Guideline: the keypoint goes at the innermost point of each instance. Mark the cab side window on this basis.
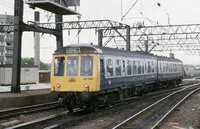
(59, 64)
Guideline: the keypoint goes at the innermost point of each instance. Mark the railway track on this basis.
(63, 120)
(47, 122)
(152, 116)
(4, 114)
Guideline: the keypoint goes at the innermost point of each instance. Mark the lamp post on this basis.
(79, 18)
(166, 12)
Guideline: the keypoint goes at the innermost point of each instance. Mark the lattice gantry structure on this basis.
(100, 25)
(159, 38)
(165, 38)
(50, 28)
(90, 24)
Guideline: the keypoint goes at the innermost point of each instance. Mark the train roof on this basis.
(88, 48)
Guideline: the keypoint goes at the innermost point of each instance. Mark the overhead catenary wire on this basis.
(129, 9)
(11, 5)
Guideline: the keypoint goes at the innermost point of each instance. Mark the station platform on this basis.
(37, 93)
(24, 87)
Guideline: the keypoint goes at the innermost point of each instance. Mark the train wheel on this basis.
(110, 101)
(70, 109)
(94, 106)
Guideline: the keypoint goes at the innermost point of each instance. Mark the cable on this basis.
(130, 9)
(12, 6)
(26, 9)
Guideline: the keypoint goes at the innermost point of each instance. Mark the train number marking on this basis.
(88, 78)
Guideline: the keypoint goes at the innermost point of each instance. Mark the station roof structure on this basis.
(55, 6)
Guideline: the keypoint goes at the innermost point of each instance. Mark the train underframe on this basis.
(92, 101)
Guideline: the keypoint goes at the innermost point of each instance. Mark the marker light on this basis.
(58, 85)
(86, 85)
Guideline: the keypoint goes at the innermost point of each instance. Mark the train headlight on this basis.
(86, 85)
(58, 85)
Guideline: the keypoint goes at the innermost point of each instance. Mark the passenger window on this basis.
(155, 64)
(139, 67)
(118, 67)
(134, 67)
(174, 67)
(109, 67)
(129, 69)
(72, 66)
(152, 67)
(142, 62)
(59, 64)
(86, 65)
(160, 67)
(149, 67)
(163, 67)
(166, 67)
(171, 69)
(145, 67)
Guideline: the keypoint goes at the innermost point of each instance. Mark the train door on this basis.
(157, 68)
(123, 71)
(102, 70)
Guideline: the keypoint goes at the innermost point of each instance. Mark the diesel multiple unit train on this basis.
(90, 76)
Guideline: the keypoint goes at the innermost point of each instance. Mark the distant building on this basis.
(192, 70)
(197, 67)
(6, 41)
(189, 67)
(44, 76)
(29, 75)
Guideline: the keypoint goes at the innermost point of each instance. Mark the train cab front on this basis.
(76, 78)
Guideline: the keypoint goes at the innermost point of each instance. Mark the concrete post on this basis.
(37, 42)
(100, 37)
(128, 38)
(59, 37)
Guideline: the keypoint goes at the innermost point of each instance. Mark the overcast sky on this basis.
(179, 11)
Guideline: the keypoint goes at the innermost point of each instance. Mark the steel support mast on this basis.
(59, 30)
(16, 67)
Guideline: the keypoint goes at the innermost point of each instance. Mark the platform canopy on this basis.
(60, 7)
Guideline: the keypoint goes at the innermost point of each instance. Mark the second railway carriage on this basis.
(89, 75)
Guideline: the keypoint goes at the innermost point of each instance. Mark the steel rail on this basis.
(57, 124)
(172, 109)
(27, 109)
(136, 98)
(152, 105)
(23, 125)
(28, 124)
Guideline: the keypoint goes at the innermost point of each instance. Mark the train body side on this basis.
(155, 73)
